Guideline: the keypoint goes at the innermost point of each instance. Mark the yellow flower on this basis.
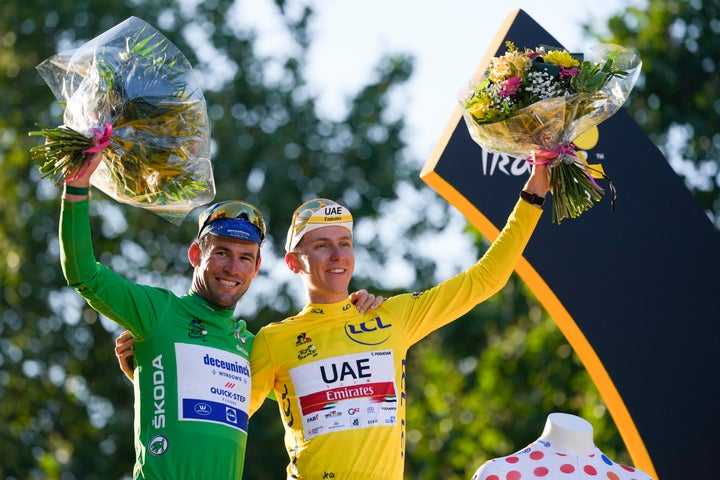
(479, 107)
(560, 57)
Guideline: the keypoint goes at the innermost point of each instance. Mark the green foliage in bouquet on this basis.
(573, 189)
(593, 76)
(133, 100)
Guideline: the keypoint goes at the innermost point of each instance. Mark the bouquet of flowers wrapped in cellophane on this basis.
(533, 103)
(131, 94)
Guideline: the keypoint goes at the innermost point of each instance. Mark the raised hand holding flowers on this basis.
(533, 103)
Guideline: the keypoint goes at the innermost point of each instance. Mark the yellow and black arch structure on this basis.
(636, 292)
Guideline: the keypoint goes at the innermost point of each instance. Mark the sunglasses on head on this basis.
(232, 209)
(305, 211)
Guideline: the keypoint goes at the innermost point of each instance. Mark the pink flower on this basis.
(568, 72)
(510, 86)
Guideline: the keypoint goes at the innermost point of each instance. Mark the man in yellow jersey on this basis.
(339, 375)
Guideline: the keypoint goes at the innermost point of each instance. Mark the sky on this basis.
(447, 38)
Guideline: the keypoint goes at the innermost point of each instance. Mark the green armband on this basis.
(76, 190)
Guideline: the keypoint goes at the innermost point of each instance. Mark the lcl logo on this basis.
(369, 332)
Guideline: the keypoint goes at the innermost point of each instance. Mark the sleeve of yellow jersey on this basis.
(455, 296)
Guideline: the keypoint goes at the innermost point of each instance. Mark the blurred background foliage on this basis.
(479, 388)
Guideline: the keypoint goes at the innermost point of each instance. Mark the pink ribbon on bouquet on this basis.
(101, 139)
(547, 156)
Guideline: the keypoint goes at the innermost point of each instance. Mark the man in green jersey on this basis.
(193, 377)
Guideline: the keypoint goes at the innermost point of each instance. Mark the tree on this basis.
(676, 100)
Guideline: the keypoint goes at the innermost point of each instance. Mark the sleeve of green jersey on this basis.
(135, 307)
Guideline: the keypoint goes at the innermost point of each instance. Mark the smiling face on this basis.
(325, 260)
(224, 268)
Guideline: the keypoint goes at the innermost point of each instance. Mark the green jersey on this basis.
(192, 376)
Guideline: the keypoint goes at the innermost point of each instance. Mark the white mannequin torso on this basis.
(569, 432)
